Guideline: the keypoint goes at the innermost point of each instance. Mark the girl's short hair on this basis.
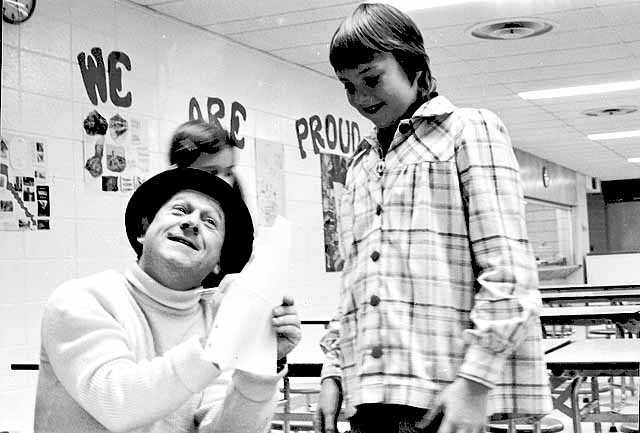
(375, 28)
(195, 137)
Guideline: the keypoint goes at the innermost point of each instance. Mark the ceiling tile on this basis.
(289, 36)
(206, 12)
(298, 17)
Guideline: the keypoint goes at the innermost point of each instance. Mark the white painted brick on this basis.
(57, 9)
(302, 188)
(12, 280)
(59, 242)
(61, 163)
(46, 116)
(10, 66)
(43, 276)
(10, 35)
(36, 66)
(19, 408)
(46, 35)
(14, 241)
(11, 109)
(101, 238)
(96, 14)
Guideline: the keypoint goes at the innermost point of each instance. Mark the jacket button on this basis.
(375, 300)
(378, 209)
(375, 256)
(376, 352)
(404, 127)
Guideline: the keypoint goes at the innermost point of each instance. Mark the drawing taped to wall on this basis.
(333, 169)
(23, 168)
(116, 151)
(269, 181)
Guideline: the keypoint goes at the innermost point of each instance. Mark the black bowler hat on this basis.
(157, 190)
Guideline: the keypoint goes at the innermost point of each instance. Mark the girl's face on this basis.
(380, 90)
(220, 164)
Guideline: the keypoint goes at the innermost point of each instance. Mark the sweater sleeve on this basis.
(89, 351)
(247, 406)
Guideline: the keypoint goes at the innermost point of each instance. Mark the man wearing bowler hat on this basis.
(124, 351)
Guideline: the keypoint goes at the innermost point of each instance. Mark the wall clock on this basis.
(17, 11)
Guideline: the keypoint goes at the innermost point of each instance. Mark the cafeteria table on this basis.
(588, 287)
(625, 317)
(592, 358)
(580, 296)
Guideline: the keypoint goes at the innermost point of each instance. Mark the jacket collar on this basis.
(430, 110)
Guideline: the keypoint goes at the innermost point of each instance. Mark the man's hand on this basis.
(287, 326)
(325, 419)
(464, 404)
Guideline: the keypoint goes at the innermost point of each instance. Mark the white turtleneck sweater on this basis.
(123, 353)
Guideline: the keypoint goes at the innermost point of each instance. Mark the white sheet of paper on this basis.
(242, 336)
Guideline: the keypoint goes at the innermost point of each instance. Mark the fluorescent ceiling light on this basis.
(410, 5)
(581, 90)
(614, 135)
(635, 160)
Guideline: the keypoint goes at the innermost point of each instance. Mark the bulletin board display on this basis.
(25, 201)
(116, 151)
(270, 186)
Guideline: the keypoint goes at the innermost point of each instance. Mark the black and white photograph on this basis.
(329, 216)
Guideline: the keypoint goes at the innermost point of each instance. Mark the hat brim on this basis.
(152, 194)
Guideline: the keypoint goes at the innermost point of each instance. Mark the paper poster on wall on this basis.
(116, 151)
(269, 181)
(333, 169)
(24, 195)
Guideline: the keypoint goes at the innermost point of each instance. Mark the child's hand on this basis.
(464, 404)
(287, 326)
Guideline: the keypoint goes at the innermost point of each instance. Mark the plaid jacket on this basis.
(439, 278)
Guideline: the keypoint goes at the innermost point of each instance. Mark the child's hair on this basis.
(375, 28)
(195, 137)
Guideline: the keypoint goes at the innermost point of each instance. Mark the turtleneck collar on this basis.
(151, 292)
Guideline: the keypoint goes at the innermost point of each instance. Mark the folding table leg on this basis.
(575, 403)
(595, 395)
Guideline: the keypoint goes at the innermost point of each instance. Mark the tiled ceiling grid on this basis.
(592, 42)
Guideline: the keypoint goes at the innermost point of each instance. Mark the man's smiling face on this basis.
(185, 236)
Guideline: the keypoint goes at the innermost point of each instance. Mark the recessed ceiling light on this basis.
(614, 135)
(635, 160)
(410, 5)
(511, 29)
(581, 90)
